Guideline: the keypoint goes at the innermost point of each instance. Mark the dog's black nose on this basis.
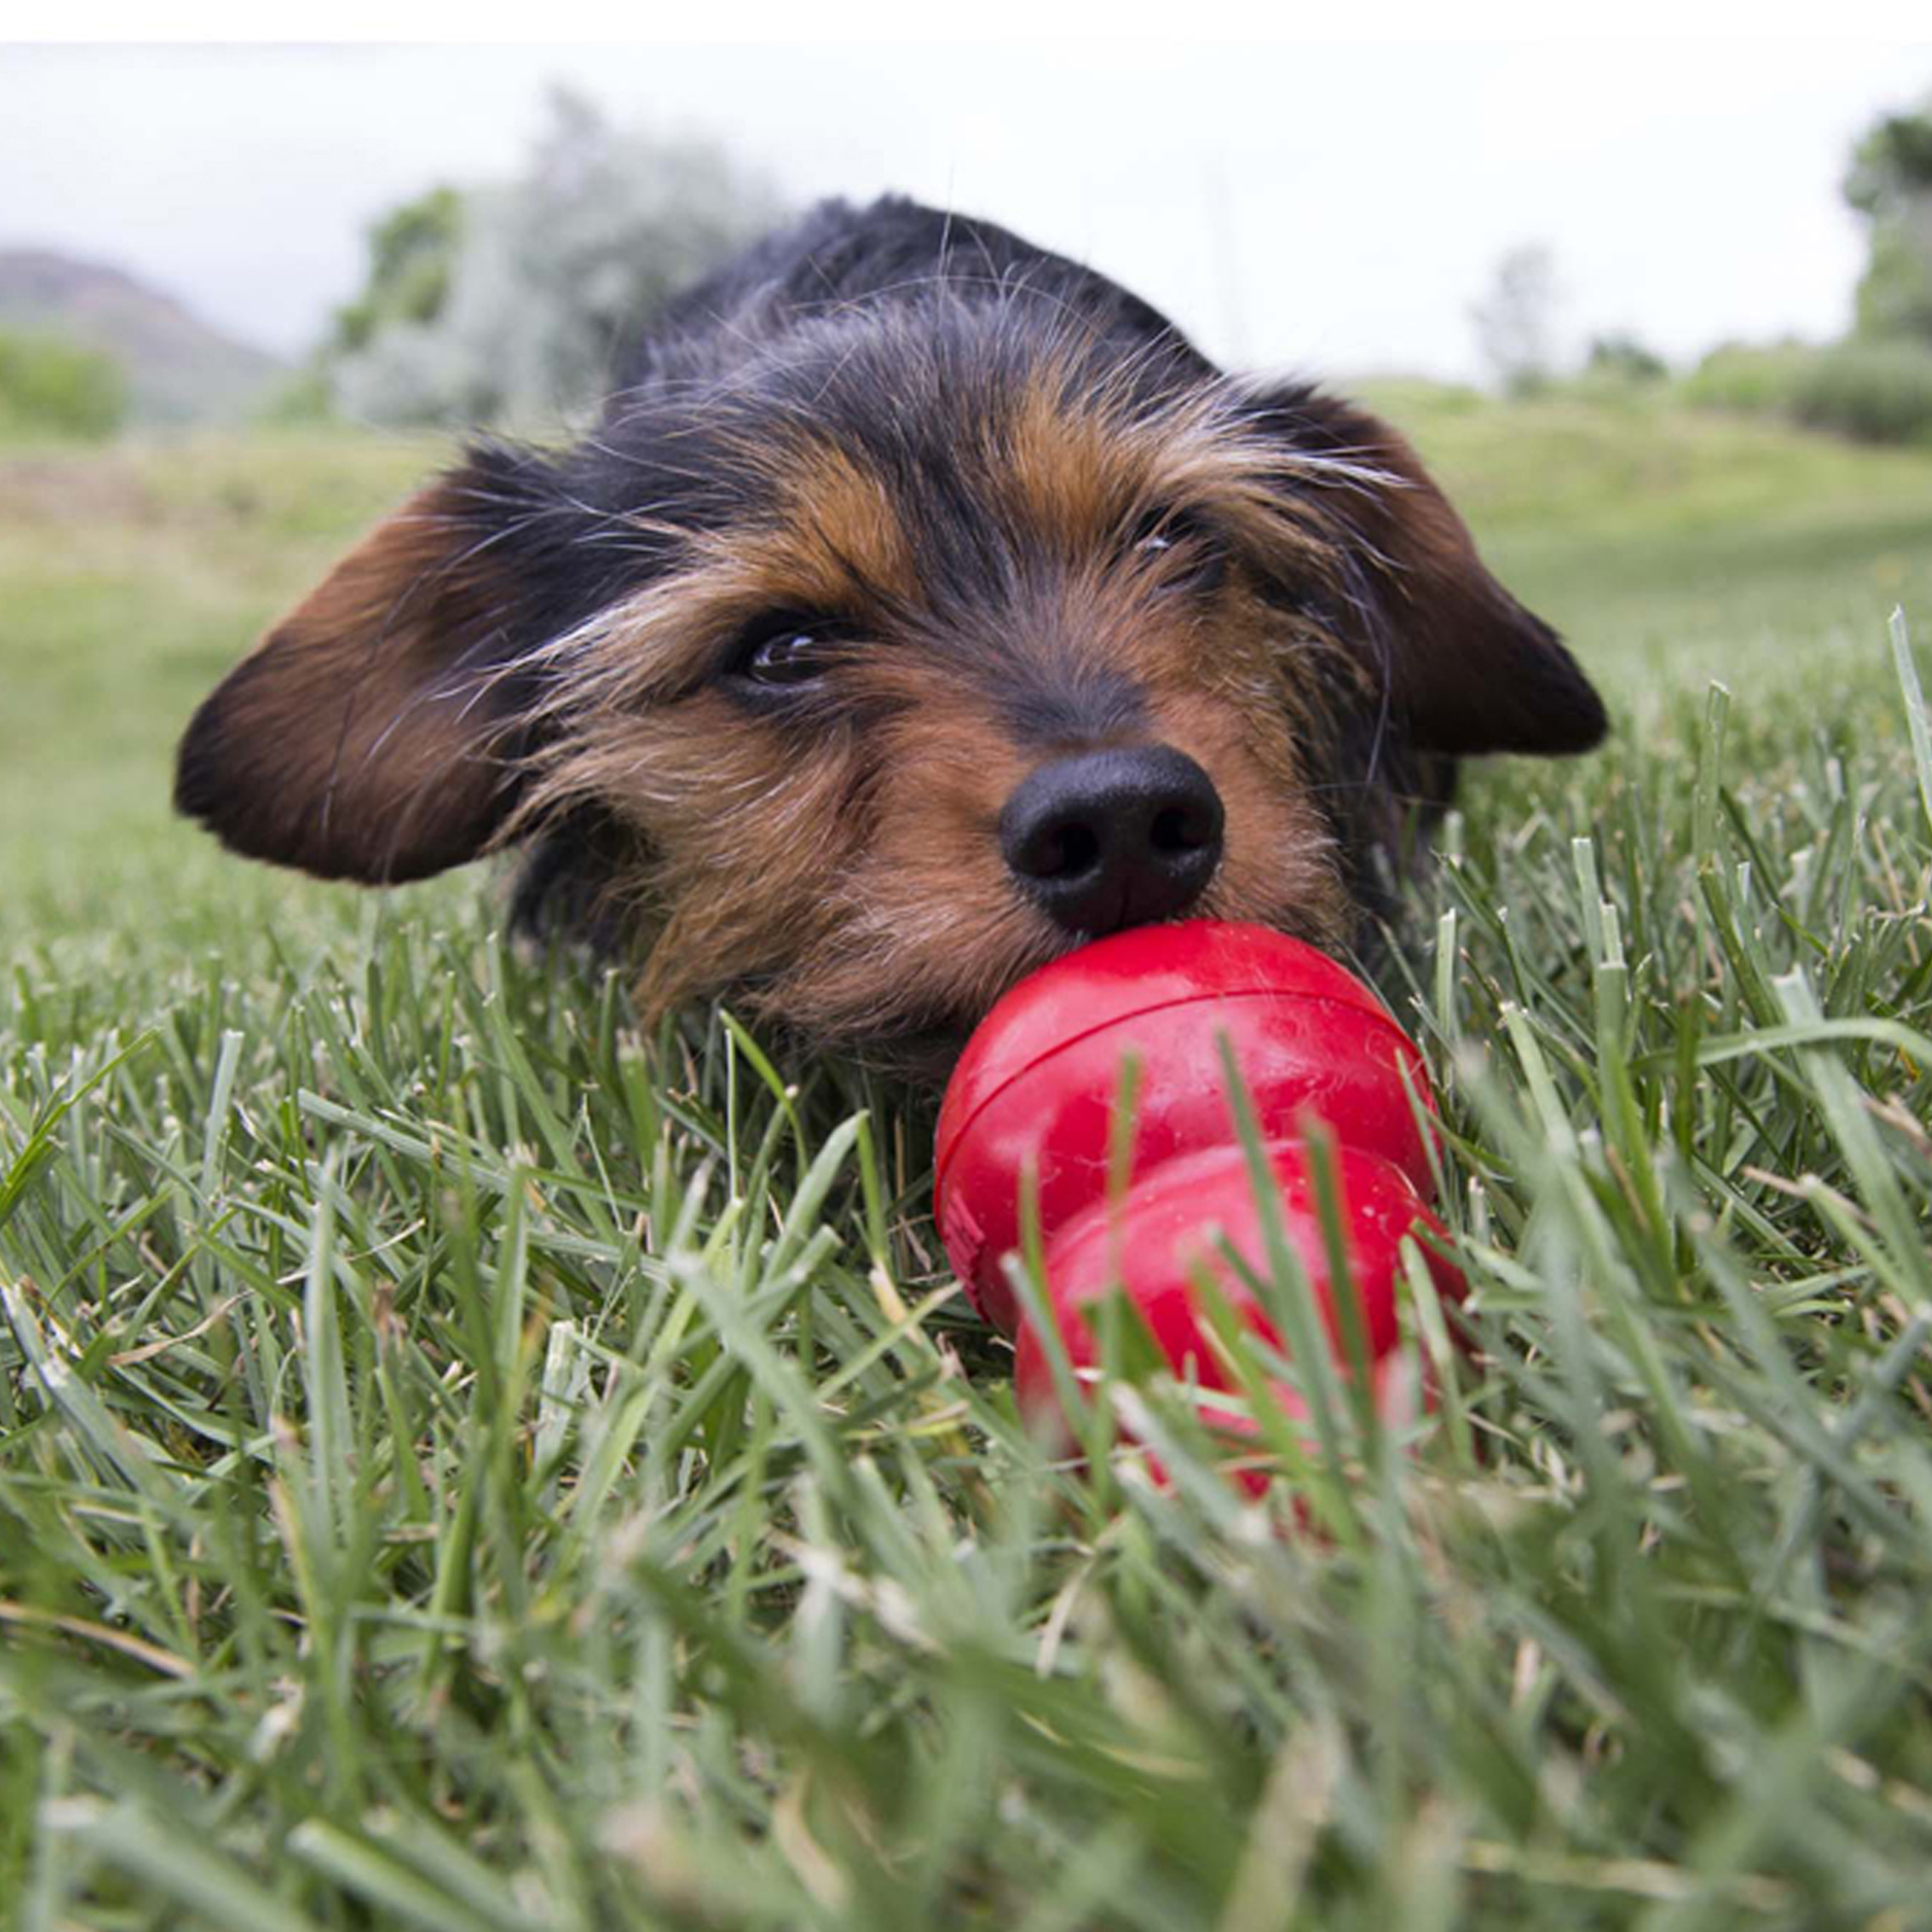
(1114, 838)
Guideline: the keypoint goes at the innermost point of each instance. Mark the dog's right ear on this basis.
(371, 735)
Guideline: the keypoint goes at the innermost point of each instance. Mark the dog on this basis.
(922, 604)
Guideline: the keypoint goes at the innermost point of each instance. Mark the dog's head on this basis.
(918, 644)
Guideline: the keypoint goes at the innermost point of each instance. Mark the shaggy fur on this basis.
(891, 513)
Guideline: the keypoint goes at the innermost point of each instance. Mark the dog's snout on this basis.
(1114, 838)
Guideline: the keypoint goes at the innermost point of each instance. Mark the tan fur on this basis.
(858, 888)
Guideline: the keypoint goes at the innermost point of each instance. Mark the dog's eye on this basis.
(1188, 550)
(784, 650)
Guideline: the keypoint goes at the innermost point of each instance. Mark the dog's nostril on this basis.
(1183, 828)
(1065, 852)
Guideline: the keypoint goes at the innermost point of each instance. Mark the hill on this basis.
(178, 368)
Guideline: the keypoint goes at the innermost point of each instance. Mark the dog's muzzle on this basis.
(1114, 838)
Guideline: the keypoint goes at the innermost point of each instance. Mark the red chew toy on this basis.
(1037, 1090)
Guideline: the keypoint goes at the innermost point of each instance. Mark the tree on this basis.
(1890, 184)
(412, 252)
(1516, 322)
(1623, 355)
(511, 303)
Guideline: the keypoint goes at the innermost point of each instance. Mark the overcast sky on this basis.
(1330, 208)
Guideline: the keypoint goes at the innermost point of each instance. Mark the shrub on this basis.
(1621, 354)
(1876, 391)
(49, 387)
(1755, 379)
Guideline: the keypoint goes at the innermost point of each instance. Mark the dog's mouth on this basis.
(918, 1045)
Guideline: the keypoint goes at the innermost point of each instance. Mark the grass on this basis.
(132, 578)
(461, 1465)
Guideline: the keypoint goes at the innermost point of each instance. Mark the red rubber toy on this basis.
(1037, 1090)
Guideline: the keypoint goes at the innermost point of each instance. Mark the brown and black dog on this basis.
(922, 604)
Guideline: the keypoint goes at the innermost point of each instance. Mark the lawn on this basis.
(462, 1464)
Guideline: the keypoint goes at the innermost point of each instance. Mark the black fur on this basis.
(897, 332)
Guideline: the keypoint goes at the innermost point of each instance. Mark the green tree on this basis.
(412, 252)
(511, 303)
(1890, 184)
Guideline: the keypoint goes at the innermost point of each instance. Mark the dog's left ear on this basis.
(1469, 669)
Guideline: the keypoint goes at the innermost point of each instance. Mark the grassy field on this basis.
(462, 1466)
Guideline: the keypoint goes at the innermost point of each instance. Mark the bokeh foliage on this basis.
(54, 389)
(513, 302)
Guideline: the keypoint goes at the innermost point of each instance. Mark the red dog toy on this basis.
(1036, 1090)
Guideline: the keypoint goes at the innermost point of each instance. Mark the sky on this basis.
(1330, 209)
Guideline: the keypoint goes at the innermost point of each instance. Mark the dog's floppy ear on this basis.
(367, 736)
(1469, 669)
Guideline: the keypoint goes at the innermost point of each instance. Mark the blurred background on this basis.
(1661, 320)
(1491, 214)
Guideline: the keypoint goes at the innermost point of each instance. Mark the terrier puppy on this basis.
(922, 605)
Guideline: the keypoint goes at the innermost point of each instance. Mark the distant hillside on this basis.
(178, 368)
